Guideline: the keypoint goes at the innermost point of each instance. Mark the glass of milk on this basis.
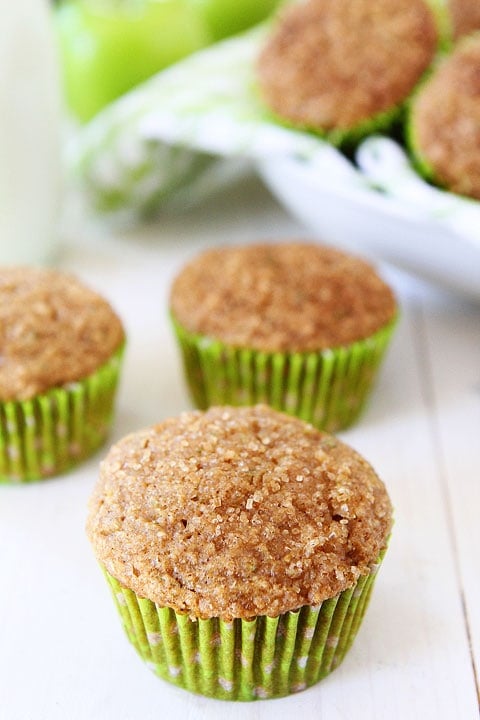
(30, 136)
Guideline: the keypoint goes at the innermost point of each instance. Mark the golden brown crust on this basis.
(465, 16)
(237, 512)
(332, 64)
(282, 296)
(446, 120)
(53, 330)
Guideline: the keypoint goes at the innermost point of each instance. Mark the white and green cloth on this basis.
(175, 138)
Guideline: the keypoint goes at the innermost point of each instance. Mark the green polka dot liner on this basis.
(55, 430)
(266, 657)
(328, 389)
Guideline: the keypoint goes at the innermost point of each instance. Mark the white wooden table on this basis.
(63, 655)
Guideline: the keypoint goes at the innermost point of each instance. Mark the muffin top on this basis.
(53, 330)
(445, 120)
(237, 512)
(284, 296)
(332, 64)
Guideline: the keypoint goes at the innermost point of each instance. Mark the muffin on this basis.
(444, 122)
(241, 546)
(61, 346)
(299, 326)
(465, 16)
(344, 69)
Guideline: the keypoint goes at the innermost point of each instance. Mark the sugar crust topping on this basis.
(281, 296)
(53, 330)
(331, 64)
(237, 512)
(446, 120)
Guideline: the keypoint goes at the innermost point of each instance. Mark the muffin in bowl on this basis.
(444, 121)
(344, 69)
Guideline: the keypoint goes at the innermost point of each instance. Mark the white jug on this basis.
(30, 137)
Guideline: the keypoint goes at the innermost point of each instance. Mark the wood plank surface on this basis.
(62, 651)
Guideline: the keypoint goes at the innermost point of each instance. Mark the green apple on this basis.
(109, 46)
(228, 17)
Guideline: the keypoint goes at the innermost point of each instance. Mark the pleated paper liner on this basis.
(327, 388)
(266, 657)
(54, 431)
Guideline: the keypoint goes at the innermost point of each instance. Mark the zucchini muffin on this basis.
(344, 68)
(444, 123)
(241, 546)
(299, 326)
(61, 345)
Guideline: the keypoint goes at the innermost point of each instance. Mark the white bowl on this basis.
(164, 140)
(375, 224)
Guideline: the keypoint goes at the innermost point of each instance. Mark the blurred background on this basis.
(90, 117)
(61, 64)
(109, 46)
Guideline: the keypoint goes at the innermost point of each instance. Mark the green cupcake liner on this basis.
(419, 161)
(265, 657)
(443, 19)
(53, 431)
(343, 138)
(327, 388)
